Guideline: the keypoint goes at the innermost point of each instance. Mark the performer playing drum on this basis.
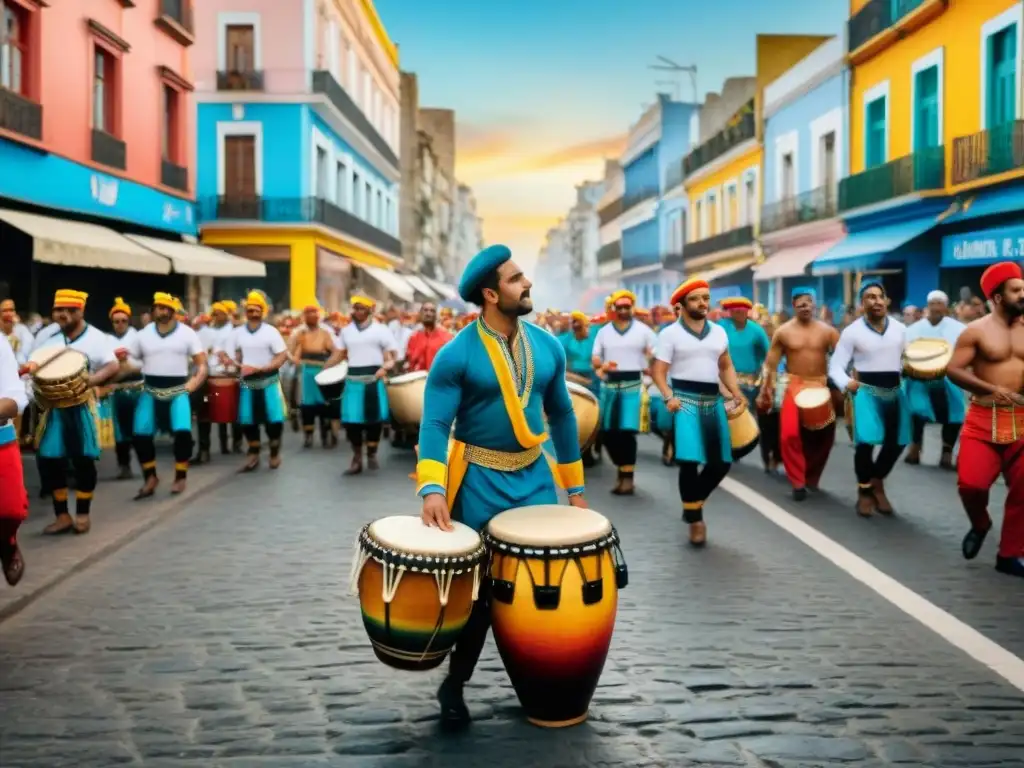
(13, 498)
(214, 338)
(495, 382)
(69, 429)
(694, 353)
(127, 386)
(311, 345)
(989, 363)
(748, 347)
(933, 398)
(579, 354)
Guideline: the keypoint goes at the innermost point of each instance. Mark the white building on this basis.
(584, 234)
(552, 284)
(467, 236)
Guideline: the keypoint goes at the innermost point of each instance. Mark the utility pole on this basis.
(666, 64)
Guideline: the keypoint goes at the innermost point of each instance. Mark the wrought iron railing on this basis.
(741, 128)
(877, 16)
(324, 82)
(988, 153)
(173, 176)
(21, 116)
(234, 80)
(815, 205)
(638, 196)
(108, 150)
(734, 238)
(918, 172)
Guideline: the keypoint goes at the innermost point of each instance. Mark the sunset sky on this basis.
(545, 89)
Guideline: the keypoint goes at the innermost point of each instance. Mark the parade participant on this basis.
(578, 344)
(881, 417)
(173, 368)
(72, 433)
(426, 342)
(988, 362)
(215, 337)
(691, 366)
(621, 353)
(17, 333)
(748, 347)
(806, 344)
(369, 348)
(495, 382)
(13, 497)
(127, 387)
(939, 401)
(401, 333)
(311, 346)
(260, 350)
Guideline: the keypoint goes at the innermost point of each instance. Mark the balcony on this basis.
(21, 116)
(173, 176)
(240, 81)
(923, 171)
(674, 175)
(610, 252)
(176, 20)
(742, 128)
(734, 238)
(296, 210)
(610, 212)
(638, 196)
(108, 150)
(880, 16)
(324, 83)
(816, 205)
(988, 153)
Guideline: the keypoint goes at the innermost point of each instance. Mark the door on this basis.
(240, 198)
(876, 149)
(240, 40)
(1002, 98)
(926, 109)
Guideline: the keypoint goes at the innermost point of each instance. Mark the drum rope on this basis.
(392, 578)
(359, 559)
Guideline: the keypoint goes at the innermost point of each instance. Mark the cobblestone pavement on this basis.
(226, 637)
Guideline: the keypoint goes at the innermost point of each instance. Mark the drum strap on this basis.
(262, 382)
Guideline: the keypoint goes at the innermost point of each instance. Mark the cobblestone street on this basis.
(226, 637)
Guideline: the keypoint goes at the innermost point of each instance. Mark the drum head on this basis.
(332, 375)
(409, 535)
(920, 350)
(812, 396)
(71, 362)
(405, 378)
(579, 389)
(549, 525)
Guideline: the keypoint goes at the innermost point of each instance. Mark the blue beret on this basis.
(869, 285)
(479, 267)
(803, 290)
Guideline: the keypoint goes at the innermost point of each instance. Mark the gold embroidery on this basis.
(502, 461)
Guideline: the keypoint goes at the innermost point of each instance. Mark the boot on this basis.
(913, 455)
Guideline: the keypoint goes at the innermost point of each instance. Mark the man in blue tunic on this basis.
(495, 382)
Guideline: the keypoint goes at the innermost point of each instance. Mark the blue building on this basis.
(806, 155)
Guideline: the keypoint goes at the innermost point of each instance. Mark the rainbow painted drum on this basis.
(555, 577)
(416, 587)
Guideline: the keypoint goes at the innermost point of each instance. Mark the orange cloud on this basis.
(588, 151)
(486, 154)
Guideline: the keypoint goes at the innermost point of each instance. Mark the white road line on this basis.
(955, 632)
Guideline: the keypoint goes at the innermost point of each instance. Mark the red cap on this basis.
(687, 287)
(998, 274)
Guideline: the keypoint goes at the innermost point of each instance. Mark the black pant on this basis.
(205, 430)
(145, 447)
(870, 467)
(356, 432)
(54, 476)
(696, 485)
(769, 442)
(470, 645)
(274, 432)
(950, 433)
(310, 413)
(621, 448)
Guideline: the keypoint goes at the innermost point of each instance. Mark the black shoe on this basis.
(454, 712)
(972, 543)
(799, 494)
(1012, 566)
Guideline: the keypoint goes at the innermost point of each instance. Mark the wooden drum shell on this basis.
(223, 393)
(926, 359)
(814, 405)
(587, 409)
(744, 433)
(405, 400)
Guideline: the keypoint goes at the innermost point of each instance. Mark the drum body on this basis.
(223, 394)
(555, 577)
(331, 381)
(416, 587)
(926, 359)
(814, 404)
(62, 379)
(743, 430)
(587, 410)
(405, 398)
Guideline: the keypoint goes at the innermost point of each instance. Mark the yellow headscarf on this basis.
(161, 299)
(69, 299)
(255, 299)
(218, 306)
(230, 306)
(623, 295)
(577, 315)
(363, 301)
(120, 308)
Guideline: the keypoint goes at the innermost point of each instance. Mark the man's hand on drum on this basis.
(578, 500)
(435, 512)
(381, 373)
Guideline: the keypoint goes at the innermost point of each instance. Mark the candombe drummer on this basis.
(127, 388)
(578, 343)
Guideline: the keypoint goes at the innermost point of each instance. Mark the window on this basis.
(1002, 77)
(387, 215)
(732, 210)
(240, 167)
(750, 194)
(788, 177)
(368, 202)
(875, 149)
(926, 108)
(172, 117)
(354, 199)
(240, 43)
(379, 212)
(341, 183)
(321, 173)
(698, 233)
(103, 91)
(712, 215)
(827, 162)
(13, 46)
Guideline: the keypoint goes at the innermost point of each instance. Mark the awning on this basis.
(74, 244)
(442, 288)
(983, 247)
(394, 283)
(724, 271)
(990, 203)
(792, 262)
(421, 286)
(200, 260)
(870, 248)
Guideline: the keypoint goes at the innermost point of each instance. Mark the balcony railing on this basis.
(742, 128)
(724, 241)
(988, 153)
(295, 210)
(919, 172)
(610, 252)
(816, 205)
(19, 115)
(324, 82)
(638, 196)
(173, 176)
(610, 212)
(876, 17)
(639, 260)
(108, 150)
(674, 175)
(233, 80)
(176, 20)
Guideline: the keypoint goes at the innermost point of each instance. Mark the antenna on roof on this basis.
(667, 65)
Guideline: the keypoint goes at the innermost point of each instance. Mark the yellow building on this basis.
(723, 174)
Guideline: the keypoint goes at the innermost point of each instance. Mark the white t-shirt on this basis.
(628, 349)
(258, 347)
(868, 350)
(169, 355)
(91, 342)
(216, 340)
(690, 357)
(123, 342)
(45, 333)
(366, 347)
(11, 386)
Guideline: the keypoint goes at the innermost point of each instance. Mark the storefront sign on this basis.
(976, 249)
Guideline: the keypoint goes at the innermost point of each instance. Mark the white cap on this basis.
(938, 296)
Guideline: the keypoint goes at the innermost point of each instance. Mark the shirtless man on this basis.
(805, 343)
(988, 362)
(309, 347)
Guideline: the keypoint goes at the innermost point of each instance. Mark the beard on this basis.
(696, 314)
(1014, 310)
(519, 308)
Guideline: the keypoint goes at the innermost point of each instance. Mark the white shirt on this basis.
(11, 385)
(869, 350)
(45, 333)
(690, 357)
(258, 347)
(169, 355)
(366, 347)
(214, 341)
(91, 342)
(25, 342)
(947, 328)
(120, 342)
(629, 350)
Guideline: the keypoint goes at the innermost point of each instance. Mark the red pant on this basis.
(13, 498)
(804, 451)
(985, 452)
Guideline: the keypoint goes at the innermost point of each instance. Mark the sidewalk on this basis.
(117, 520)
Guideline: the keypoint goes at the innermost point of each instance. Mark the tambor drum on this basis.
(405, 397)
(743, 430)
(926, 359)
(814, 404)
(416, 587)
(577, 378)
(587, 408)
(223, 394)
(555, 577)
(62, 379)
(332, 381)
